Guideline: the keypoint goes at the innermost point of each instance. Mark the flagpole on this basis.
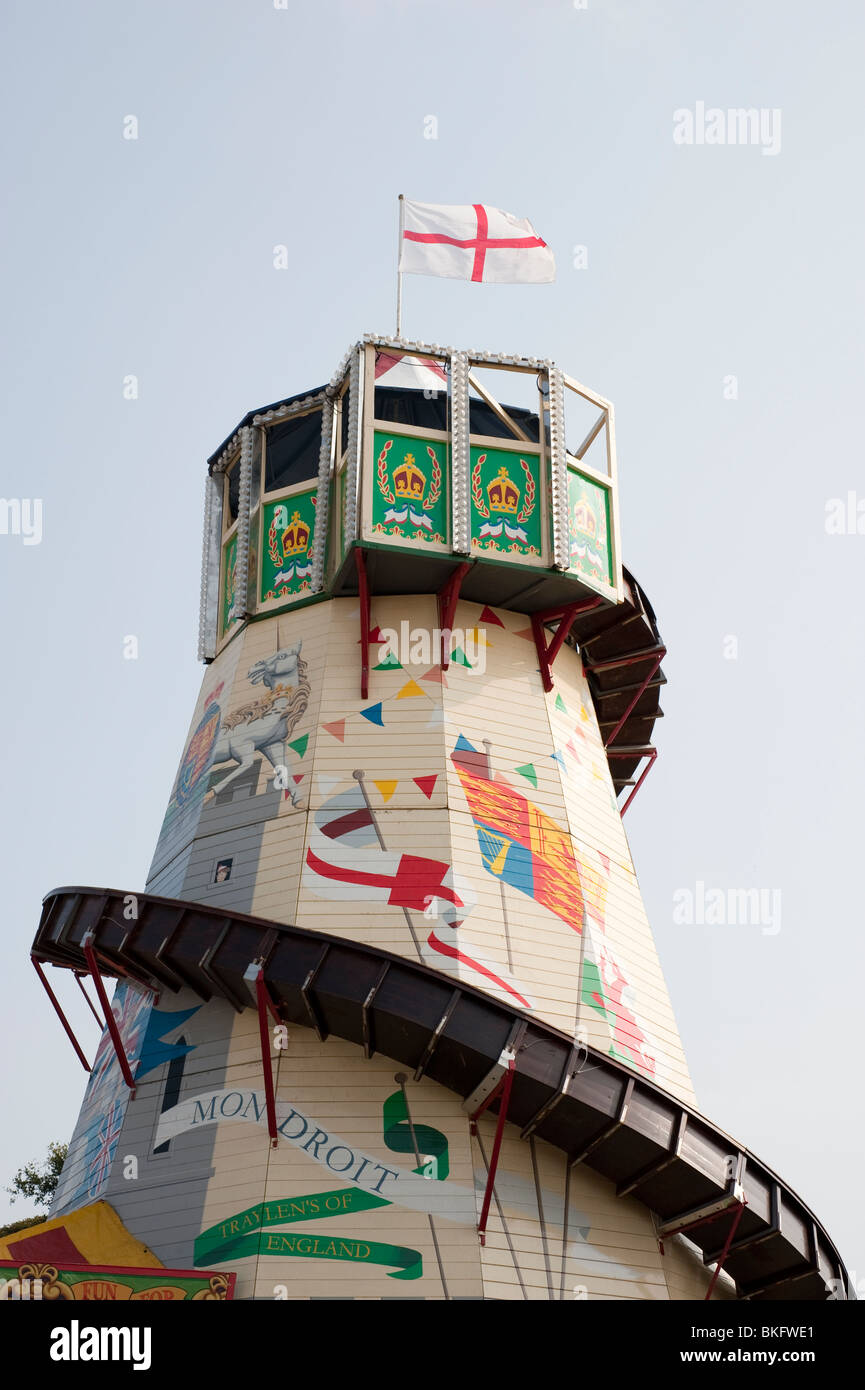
(400, 1078)
(398, 271)
(489, 751)
(358, 776)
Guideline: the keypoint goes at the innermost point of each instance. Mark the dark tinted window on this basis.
(292, 450)
(346, 410)
(411, 408)
(403, 407)
(482, 420)
(233, 491)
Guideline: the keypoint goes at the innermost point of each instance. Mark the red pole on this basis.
(643, 775)
(564, 627)
(566, 616)
(110, 1020)
(725, 1252)
(494, 1156)
(266, 1064)
(60, 1014)
(448, 598)
(100, 1021)
(363, 594)
(652, 670)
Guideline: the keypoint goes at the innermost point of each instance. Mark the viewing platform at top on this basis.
(411, 453)
(426, 469)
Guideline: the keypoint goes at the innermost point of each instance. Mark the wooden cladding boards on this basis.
(552, 1233)
(399, 748)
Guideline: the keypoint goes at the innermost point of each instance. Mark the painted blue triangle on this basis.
(373, 714)
(463, 745)
(153, 1050)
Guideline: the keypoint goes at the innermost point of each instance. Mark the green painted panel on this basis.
(254, 529)
(410, 489)
(589, 528)
(229, 607)
(505, 500)
(287, 545)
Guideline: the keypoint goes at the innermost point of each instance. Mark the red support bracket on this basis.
(265, 1003)
(650, 754)
(80, 983)
(448, 598)
(363, 595)
(493, 1095)
(565, 616)
(507, 1083)
(726, 1250)
(60, 1014)
(656, 653)
(110, 1020)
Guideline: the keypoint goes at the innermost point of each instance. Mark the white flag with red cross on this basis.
(472, 241)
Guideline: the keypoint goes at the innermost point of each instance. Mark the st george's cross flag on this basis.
(471, 241)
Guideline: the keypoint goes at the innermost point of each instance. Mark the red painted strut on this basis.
(60, 1014)
(547, 654)
(265, 1003)
(649, 753)
(448, 598)
(656, 653)
(726, 1250)
(497, 1144)
(110, 1020)
(80, 983)
(363, 594)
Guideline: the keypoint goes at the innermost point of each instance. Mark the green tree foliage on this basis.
(21, 1225)
(38, 1182)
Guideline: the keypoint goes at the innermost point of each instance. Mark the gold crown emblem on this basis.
(584, 518)
(408, 479)
(503, 492)
(295, 537)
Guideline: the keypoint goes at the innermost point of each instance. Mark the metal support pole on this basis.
(497, 1144)
(727, 1243)
(264, 1003)
(110, 1020)
(363, 594)
(650, 753)
(60, 1014)
(493, 1095)
(658, 653)
(398, 271)
(80, 984)
(448, 598)
(566, 616)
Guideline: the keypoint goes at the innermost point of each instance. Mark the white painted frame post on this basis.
(459, 403)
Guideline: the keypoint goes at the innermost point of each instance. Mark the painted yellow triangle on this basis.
(479, 636)
(387, 789)
(409, 689)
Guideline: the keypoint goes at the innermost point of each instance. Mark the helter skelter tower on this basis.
(390, 1021)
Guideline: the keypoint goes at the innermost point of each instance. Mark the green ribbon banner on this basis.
(247, 1233)
(402, 1137)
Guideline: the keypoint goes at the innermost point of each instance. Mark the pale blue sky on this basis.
(259, 127)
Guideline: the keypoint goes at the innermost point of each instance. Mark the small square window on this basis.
(222, 870)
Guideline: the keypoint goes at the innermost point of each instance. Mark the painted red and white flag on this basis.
(345, 862)
(472, 241)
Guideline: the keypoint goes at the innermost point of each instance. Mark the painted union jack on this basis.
(131, 1010)
(107, 1136)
